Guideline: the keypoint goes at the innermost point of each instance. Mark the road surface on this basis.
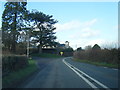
(66, 73)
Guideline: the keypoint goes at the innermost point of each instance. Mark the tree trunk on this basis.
(40, 49)
(14, 31)
(14, 38)
(13, 48)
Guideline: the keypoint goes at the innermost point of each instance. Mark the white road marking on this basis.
(115, 69)
(92, 85)
(110, 68)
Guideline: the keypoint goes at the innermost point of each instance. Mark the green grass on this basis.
(17, 76)
(97, 63)
(46, 55)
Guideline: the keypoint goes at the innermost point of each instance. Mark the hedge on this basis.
(13, 63)
(105, 55)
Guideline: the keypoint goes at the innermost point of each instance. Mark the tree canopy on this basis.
(16, 19)
(12, 22)
(43, 31)
(96, 47)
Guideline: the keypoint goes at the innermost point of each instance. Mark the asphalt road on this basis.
(54, 73)
(107, 76)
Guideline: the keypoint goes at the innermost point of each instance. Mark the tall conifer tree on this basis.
(13, 20)
(44, 35)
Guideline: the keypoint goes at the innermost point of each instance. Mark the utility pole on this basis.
(28, 44)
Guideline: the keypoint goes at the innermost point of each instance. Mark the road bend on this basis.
(66, 73)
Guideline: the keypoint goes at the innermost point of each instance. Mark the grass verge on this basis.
(17, 76)
(47, 55)
(97, 63)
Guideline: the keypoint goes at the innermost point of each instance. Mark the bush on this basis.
(101, 55)
(13, 63)
(13, 79)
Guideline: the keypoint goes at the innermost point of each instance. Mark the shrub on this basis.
(100, 55)
(13, 63)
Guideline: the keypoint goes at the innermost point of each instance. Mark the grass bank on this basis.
(18, 76)
(97, 63)
(47, 55)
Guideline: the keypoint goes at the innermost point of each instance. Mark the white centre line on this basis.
(86, 80)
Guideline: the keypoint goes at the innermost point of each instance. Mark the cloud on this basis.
(79, 34)
(85, 42)
(89, 23)
(72, 25)
(88, 32)
(96, 41)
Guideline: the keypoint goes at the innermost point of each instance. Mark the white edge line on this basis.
(110, 68)
(92, 85)
(91, 78)
(115, 69)
(88, 76)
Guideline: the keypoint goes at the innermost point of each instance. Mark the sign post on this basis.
(61, 53)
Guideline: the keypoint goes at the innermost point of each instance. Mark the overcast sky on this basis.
(82, 23)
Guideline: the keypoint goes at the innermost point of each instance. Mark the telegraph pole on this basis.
(28, 44)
